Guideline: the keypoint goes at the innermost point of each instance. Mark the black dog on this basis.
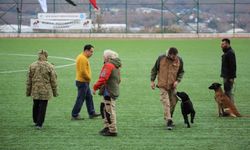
(186, 107)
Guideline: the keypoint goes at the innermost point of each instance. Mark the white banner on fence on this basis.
(61, 16)
(60, 25)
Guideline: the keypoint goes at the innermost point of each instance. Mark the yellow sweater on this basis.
(83, 71)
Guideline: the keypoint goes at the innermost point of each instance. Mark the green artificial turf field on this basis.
(139, 111)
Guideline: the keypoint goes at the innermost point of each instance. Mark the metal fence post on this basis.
(90, 15)
(234, 17)
(198, 16)
(54, 6)
(126, 15)
(19, 15)
(162, 2)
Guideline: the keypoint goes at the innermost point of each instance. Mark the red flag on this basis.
(93, 2)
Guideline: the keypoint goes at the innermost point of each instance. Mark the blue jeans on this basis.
(84, 93)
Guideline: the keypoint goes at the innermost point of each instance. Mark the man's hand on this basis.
(94, 92)
(175, 84)
(152, 85)
(55, 94)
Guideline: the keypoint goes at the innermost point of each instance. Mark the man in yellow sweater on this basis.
(83, 78)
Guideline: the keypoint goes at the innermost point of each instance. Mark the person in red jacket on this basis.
(108, 83)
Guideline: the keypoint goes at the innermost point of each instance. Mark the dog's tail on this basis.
(245, 116)
(238, 114)
(234, 109)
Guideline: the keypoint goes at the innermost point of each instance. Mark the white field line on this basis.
(26, 55)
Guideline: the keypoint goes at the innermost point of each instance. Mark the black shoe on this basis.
(108, 133)
(94, 116)
(170, 124)
(106, 129)
(77, 118)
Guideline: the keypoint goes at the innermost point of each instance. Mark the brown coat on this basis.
(168, 71)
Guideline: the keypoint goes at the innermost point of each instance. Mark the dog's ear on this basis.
(185, 95)
(179, 95)
(211, 87)
(217, 85)
(214, 86)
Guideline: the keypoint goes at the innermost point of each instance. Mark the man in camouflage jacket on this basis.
(41, 85)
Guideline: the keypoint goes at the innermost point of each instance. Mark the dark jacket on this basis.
(228, 65)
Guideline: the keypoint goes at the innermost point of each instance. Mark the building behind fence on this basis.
(134, 16)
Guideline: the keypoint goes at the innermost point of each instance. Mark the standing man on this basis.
(41, 85)
(83, 78)
(228, 67)
(169, 69)
(109, 80)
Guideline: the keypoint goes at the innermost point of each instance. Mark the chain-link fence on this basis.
(135, 16)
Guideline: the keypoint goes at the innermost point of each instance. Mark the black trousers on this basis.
(39, 111)
(228, 88)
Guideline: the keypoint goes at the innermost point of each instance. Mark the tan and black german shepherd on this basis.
(225, 106)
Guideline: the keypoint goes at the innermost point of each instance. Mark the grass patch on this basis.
(139, 111)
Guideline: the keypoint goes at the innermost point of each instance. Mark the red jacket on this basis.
(104, 75)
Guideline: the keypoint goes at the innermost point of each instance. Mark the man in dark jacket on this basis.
(228, 67)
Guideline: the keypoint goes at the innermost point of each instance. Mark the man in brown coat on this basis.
(169, 69)
(41, 85)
